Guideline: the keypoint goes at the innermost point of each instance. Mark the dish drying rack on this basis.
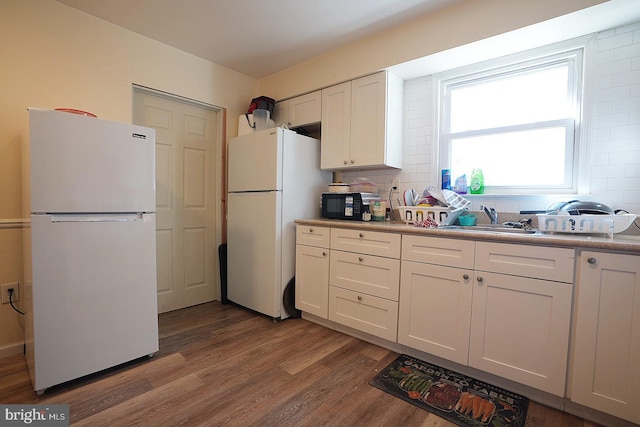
(585, 223)
(415, 214)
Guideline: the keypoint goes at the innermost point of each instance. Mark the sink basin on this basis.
(490, 228)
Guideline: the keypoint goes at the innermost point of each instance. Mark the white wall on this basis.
(613, 134)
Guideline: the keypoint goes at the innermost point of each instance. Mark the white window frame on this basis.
(575, 51)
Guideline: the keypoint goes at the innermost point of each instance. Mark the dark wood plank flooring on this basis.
(223, 365)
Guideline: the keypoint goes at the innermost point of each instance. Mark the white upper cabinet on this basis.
(362, 123)
(299, 111)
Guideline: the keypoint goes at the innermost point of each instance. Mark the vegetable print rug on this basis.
(460, 399)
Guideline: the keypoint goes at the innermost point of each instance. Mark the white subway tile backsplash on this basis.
(627, 52)
(613, 93)
(631, 131)
(615, 41)
(626, 78)
(631, 104)
(625, 158)
(608, 120)
(613, 67)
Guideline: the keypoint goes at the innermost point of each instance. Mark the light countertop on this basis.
(615, 242)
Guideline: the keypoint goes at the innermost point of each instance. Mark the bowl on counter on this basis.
(339, 187)
(467, 220)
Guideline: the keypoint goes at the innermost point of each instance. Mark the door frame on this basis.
(221, 162)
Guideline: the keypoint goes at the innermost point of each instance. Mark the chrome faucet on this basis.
(492, 214)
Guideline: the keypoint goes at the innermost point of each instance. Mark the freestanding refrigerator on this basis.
(90, 254)
(274, 177)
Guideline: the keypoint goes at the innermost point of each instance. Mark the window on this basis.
(518, 122)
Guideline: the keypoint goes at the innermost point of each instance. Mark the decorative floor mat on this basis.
(458, 398)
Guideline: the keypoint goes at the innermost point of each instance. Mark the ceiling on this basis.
(253, 38)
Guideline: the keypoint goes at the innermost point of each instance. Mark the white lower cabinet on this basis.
(606, 351)
(312, 270)
(511, 326)
(435, 310)
(520, 329)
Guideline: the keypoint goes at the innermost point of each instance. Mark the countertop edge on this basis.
(618, 242)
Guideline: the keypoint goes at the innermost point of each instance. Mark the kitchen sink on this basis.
(490, 228)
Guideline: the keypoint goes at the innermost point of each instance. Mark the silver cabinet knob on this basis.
(361, 235)
(591, 260)
(465, 276)
(360, 259)
(353, 161)
(345, 162)
(359, 298)
(480, 279)
(324, 254)
(311, 230)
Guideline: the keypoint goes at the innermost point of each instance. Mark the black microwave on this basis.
(346, 205)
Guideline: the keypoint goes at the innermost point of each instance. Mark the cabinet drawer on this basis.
(311, 235)
(366, 242)
(373, 315)
(433, 250)
(369, 274)
(528, 261)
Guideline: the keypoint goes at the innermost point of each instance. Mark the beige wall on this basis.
(54, 56)
(463, 23)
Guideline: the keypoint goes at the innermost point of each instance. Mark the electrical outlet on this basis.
(4, 289)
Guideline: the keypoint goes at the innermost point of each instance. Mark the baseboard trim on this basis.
(11, 349)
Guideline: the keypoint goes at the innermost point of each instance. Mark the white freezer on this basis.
(85, 164)
(255, 161)
(94, 305)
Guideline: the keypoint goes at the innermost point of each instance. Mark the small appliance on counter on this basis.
(352, 206)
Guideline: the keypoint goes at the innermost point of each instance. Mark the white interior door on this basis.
(186, 168)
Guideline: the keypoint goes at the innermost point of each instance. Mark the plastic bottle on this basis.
(461, 186)
(477, 182)
(446, 179)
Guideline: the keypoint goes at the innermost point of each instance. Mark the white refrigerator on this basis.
(274, 177)
(90, 253)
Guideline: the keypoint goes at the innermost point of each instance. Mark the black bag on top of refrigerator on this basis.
(262, 103)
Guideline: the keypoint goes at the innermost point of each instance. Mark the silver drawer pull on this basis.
(480, 279)
(465, 276)
(360, 259)
(311, 230)
(324, 254)
(361, 235)
(591, 260)
(359, 298)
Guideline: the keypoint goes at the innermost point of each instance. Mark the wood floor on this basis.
(222, 365)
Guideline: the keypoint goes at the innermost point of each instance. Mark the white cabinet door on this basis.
(606, 355)
(312, 280)
(435, 309)
(305, 109)
(368, 103)
(520, 329)
(336, 126)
